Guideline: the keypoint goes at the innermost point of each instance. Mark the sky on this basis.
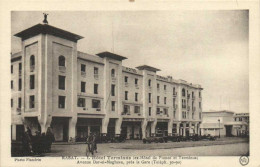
(203, 47)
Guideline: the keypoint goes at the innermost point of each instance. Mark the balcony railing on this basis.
(96, 76)
(83, 74)
(125, 113)
(32, 68)
(98, 109)
(113, 78)
(62, 69)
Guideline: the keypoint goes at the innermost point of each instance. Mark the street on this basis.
(236, 149)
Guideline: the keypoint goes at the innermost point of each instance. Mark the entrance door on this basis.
(124, 131)
(65, 132)
(19, 132)
(187, 132)
(82, 133)
(95, 129)
(228, 130)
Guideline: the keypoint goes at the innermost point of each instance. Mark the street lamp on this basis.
(219, 127)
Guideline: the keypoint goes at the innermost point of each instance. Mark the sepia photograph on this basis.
(129, 83)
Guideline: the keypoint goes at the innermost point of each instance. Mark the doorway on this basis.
(228, 130)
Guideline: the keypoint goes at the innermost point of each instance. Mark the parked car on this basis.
(119, 138)
(174, 138)
(208, 137)
(156, 138)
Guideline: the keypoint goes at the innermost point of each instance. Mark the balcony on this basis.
(96, 76)
(62, 69)
(174, 94)
(113, 79)
(83, 74)
(32, 68)
(136, 86)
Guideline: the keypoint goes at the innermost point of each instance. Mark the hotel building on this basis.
(75, 93)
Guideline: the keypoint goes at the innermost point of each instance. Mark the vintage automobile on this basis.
(118, 138)
(208, 137)
(157, 138)
(174, 138)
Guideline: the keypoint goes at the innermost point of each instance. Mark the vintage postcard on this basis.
(106, 87)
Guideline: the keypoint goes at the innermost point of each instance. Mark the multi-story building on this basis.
(75, 93)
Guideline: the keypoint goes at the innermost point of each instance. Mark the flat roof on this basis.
(47, 29)
(148, 68)
(111, 55)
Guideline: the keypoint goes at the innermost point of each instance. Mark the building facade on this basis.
(54, 85)
(224, 123)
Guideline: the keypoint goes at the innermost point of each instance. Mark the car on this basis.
(155, 138)
(208, 137)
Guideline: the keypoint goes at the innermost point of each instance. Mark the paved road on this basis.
(105, 149)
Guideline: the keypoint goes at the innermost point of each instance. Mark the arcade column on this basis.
(118, 123)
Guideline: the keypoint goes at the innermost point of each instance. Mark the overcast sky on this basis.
(202, 47)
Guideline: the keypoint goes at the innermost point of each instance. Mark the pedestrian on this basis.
(36, 143)
(29, 132)
(26, 144)
(95, 142)
(49, 139)
(90, 143)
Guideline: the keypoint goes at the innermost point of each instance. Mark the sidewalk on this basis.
(140, 146)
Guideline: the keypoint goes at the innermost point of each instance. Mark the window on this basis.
(183, 103)
(83, 68)
(200, 115)
(95, 88)
(95, 71)
(32, 60)
(31, 102)
(199, 104)
(150, 97)
(12, 68)
(183, 115)
(113, 90)
(32, 82)
(126, 79)
(126, 95)
(165, 87)
(150, 111)
(61, 82)
(12, 103)
(165, 111)
(12, 84)
(61, 101)
(136, 81)
(113, 74)
(183, 92)
(127, 109)
(199, 94)
(158, 99)
(113, 106)
(174, 113)
(20, 84)
(83, 86)
(158, 111)
(96, 104)
(149, 83)
(173, 102)
(174, 90)
(81, 102)
(19, 102)
(192, 94)
(165, 100)
(192, 115)
(137, 109)
(136, 96)
(61, 61)
(158, 86)
(20, 67)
